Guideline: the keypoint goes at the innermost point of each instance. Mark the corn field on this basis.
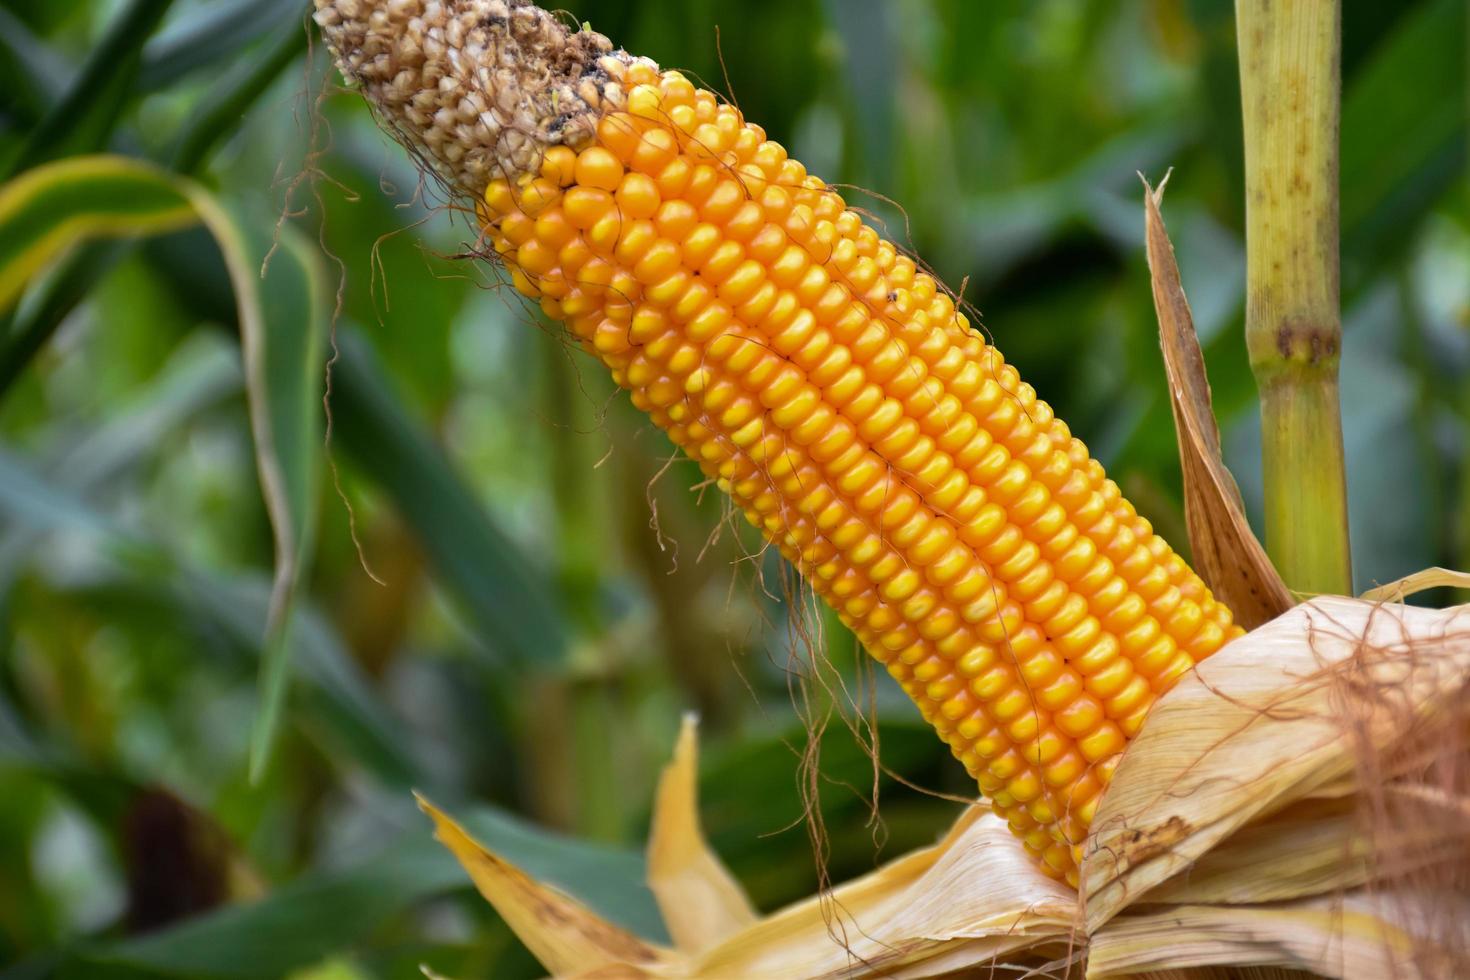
(667, 489)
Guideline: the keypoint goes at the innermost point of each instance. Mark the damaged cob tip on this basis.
(477, 89)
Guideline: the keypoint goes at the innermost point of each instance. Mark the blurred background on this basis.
(537, 632)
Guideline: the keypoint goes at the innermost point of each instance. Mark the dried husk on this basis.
(1225, 550)
(1237, 836)
(1429, 578)
(1267, 723)
(1350, 935)
(700, 900)
(971, 900)
(563, 934)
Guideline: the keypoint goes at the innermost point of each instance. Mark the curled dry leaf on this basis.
(1430, 578)
(1226, 552)
(1310, 848)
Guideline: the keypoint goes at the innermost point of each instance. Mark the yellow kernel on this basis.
(618, 133)
(498, 197)
(598, 168)
(1106, 740)
(637, 196)
(658, 262)
(654, 151)
(1080, 717)
(559, 164)
(584, 206)
(675, 219)
(700, 244)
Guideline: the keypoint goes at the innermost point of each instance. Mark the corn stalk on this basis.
(1290, 98)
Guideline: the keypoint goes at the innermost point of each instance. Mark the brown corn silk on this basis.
(820, 378)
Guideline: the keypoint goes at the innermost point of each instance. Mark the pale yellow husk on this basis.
(1232, 837)
(1352, 935)
(700, 900)
(1267, 724)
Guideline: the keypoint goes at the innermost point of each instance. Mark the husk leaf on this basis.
(1232, 836)
(1277, 718)
(699, 898)
(1312, 847)
(1358, 934)
(969, 900)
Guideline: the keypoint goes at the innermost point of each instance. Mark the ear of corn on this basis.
(835, 392)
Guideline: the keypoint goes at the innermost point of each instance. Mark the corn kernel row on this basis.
(836, 393)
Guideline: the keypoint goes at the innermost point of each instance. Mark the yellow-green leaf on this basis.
(47, 211)
(280, 303)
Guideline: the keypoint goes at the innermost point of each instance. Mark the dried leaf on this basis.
(1429, 578)
(1226, 551)
(1264, 724)
(700, 899)
(971, 899)
(974, 899)
(566, 936)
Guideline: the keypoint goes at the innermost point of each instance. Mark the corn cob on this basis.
(824, 381)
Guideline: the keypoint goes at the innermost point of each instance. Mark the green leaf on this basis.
(339, 702)
(73, 466)
(871, 60)
(218, 113)
(83, 121)
(610, 880)
(767, 845)
(200, 373)
(506, 593)
(49, 210)
(293, 927)
(343, 705)
(280, 300)
(330, 911)
(31, 72)
(217, 33)
(39, 74)
(280, 303)
(1403, 143)
(27, 498)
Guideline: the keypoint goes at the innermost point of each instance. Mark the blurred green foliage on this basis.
(551, 598)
